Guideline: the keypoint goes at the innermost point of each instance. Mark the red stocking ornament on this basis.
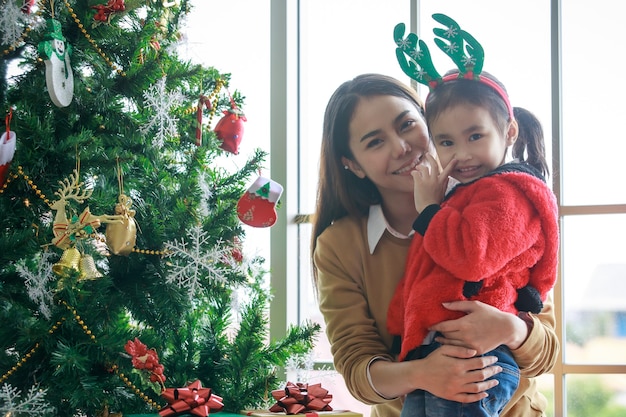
(7, 150)
(257, 207)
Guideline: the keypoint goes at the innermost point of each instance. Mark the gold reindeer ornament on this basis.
(68, 231)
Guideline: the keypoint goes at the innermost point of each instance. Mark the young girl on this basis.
(374, 135)
(494, 237)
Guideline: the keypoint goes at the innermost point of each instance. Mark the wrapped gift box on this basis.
(334, 413)
(266, 413)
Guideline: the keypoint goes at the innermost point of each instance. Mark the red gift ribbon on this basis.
(192, 399)
(299, 397)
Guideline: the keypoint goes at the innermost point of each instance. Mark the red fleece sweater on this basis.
(502, 229)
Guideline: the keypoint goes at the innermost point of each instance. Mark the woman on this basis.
(374, 135)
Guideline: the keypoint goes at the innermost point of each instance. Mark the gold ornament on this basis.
(88, 268)
(70, 261)
(121, 237)
(67, 229)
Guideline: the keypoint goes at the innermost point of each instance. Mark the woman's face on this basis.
(388, 139)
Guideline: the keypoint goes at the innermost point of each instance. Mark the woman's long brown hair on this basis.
(340, 192)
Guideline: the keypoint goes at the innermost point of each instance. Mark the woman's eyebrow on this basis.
(377, 131)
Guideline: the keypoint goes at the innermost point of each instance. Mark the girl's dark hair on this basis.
(530, 144)
(340, 192)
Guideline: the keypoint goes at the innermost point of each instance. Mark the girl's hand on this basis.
(483, 328)
(455, 374)
(430, 182)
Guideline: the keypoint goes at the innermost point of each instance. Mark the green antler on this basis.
(457, 43)
(415, 62)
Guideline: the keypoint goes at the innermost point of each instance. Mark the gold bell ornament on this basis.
(70, 261)
(88, 268)
(121, 237)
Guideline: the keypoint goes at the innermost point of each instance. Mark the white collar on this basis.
(376, 226)
(377, 223)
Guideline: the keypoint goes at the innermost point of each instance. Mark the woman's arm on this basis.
(450, 372)
(534, 345)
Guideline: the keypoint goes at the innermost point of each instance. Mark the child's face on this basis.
(469, 134)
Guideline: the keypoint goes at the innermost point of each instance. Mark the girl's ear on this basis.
(512, 133)
(351, 165)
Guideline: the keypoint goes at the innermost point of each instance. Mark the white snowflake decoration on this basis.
(301, 368)
(416, 54)
(451, 32)
(37, 282)
(192, 263)
(452, 48)
(33, 404)
(12, 22)
(161, 101)
(469, 61)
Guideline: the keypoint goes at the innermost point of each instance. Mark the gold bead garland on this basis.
(30, 182)
(88, 332)
(115, 368)
(91, 41)
(213, 97)
(29, 354)
(136, 390)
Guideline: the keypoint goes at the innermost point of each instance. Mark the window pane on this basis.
(545, 384)
(592, 102)
(339, 39)
(595, 395)
(594, 282)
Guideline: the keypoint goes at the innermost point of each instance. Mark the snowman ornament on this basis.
(59, 75)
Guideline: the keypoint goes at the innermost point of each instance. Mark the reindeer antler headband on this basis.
(466, 52)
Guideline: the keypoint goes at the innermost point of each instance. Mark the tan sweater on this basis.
(355, 289)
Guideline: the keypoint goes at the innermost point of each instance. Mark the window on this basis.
(557, 59)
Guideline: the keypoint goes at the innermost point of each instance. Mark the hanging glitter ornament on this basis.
(121, 237)
(229, 129)
(59, 75)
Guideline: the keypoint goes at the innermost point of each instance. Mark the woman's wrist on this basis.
(523, 323)
(390, 379)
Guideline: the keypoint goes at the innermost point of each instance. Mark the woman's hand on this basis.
(453, 373)
(483, 328)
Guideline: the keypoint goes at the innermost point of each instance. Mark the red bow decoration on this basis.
(104, 12)
(193, 399)
(144, 358)
(296, 398)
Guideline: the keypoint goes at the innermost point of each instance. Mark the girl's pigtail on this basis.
(530, 144)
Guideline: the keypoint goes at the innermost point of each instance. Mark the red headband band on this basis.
(489, 82)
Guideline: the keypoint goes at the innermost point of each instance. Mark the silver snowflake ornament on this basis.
(160, 102)
(194, 261)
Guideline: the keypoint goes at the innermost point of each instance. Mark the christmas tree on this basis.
(122, 275)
